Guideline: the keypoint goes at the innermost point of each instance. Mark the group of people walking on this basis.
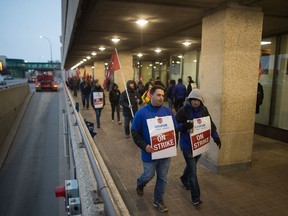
(189, 105)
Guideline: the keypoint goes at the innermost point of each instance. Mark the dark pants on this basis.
(117, 108)
(190, 175)
(85, 100)
(178, 103)
(127, 120)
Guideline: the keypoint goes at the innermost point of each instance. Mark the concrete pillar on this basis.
(229, 61)
(126, 62)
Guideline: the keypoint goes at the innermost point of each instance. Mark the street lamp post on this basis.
(50, 45)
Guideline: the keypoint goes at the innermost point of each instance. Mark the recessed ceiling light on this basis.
(115, 40)
(180, 56)
(94, 53)
(142, 22)
(265, 42)
(186, 43)
(158, 50)
(140, 55)
(102, 48)
(88, 57)
(84, 60)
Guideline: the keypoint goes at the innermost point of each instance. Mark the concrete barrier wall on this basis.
(11, 100)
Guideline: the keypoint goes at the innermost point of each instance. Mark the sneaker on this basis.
(112, 121)
(119, 122)
(161, 206)
(185, 184)
(140, 190)
(197, 203)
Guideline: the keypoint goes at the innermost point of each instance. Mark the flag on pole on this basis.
(113, 66)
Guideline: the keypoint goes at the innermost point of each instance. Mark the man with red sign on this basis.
(193, 109)
(160, 141)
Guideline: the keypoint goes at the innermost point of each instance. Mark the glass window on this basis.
(280, 114)
(266, 79)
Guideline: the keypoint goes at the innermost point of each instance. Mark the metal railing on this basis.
(103, 192)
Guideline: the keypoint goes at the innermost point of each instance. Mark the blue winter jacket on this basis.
(187, 112)
(140, 131)
(179, 91)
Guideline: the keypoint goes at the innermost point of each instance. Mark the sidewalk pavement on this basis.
(260, 190)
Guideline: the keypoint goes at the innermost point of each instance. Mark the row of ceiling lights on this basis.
(141, 23)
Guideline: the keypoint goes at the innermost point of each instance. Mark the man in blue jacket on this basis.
(141, 137)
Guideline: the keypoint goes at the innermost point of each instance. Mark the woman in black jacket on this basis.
(114, 97)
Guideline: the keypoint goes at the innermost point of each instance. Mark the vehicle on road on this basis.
(45, 82)
(2, 81)
(31, 79)
(8, 78)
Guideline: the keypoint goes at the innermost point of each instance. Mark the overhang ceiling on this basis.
(171, 22)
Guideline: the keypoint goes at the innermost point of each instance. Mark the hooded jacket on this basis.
(187, 112)
(114, 94)
(97, 89)
(134, 97)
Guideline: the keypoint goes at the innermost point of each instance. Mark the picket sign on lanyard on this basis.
(162, 137)
(98, 99)
(200, 137)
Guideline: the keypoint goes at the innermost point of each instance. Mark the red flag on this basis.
(84, 75)
(113, 65)
(260, 70)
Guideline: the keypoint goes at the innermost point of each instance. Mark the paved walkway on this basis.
(260, 190)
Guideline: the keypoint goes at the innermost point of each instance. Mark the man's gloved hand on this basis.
(187, 125)
(218, 142)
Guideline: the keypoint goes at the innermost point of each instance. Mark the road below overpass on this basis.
(36, 163)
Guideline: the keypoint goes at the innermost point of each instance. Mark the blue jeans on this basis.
(127, 120)
(161, 167)
(98, 115)
(85, 100)
(190, 175)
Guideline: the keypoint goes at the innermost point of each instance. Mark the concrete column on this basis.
(229, 63)
(126, 62)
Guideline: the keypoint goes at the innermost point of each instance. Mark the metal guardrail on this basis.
(101, 186)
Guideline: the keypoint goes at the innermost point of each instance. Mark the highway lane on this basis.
(36, 164)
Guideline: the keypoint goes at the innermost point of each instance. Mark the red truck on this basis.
(45, 82)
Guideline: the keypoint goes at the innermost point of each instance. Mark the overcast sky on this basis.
(21, 24)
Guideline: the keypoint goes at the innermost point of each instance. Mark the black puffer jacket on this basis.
(134, 97)
(114, 94)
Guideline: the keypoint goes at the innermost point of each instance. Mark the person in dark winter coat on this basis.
(129, 106)
(179, 94)
(190, 85)
(194, 108)
(85, 89)
(114, 97)
(168, 93)
(97, 100)
(260, 97)
(158, 82)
